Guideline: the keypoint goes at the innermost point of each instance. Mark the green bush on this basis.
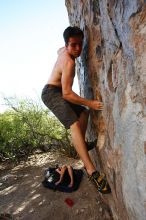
(27, 127)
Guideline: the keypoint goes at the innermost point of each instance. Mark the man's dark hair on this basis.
(72, 32)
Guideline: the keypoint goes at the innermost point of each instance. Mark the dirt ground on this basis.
(24, 198)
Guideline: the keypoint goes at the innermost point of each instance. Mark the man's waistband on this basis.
(53, 86)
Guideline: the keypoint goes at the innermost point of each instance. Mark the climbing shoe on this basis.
(91, 145)
(100, 181)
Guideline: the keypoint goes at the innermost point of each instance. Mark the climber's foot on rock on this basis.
(100, 182)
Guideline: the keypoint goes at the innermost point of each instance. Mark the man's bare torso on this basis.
(56, 74)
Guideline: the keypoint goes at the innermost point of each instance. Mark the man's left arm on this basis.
(69, 94)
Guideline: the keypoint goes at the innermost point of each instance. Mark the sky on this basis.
(30, 35)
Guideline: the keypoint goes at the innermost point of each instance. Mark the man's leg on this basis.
(84, 121)
(80, 146)
(83, 125)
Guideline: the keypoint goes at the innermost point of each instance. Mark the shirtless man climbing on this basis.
(69, 107)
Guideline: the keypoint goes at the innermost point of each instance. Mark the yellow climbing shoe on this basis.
(100, 182)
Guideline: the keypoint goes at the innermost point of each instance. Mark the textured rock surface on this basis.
(112, 68)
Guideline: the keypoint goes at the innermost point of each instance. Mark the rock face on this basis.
(112, 68)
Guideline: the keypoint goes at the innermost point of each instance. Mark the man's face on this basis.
(74, 46)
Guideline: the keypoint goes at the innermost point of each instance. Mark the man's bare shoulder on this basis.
(61, 50)
(64, 57)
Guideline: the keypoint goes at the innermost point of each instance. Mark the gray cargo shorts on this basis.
(65, 111)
